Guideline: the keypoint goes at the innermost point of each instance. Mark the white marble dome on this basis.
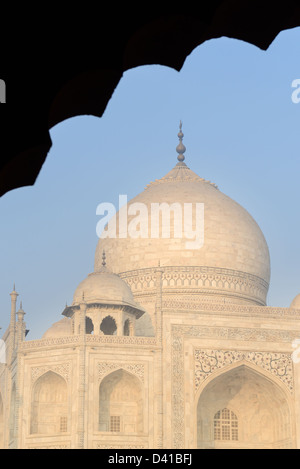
(232, 239)
(60, 328)
(104, 287)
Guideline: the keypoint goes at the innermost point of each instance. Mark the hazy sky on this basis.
(241, 132)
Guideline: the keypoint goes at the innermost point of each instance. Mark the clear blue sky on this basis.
(241, 131)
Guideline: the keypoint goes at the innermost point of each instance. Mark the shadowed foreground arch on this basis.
(261, 407)
(76, 71)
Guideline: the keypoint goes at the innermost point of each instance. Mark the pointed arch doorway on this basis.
(242, 408)
(121, 405)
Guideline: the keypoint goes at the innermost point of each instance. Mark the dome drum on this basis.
(219, 285)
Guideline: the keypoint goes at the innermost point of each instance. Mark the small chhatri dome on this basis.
(61, 328)
(104, 287)
(295, 304)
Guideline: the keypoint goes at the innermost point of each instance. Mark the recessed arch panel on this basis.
(260, 405)
(121, 403)
(49, 405)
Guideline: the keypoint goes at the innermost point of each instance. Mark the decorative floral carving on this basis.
(203, 303)
(62, 369)
(138, 369)
(211, 279)
(121, 340)
(237, 333)
(208, 361)
(275, 363)
(89, 339)
(53, 341)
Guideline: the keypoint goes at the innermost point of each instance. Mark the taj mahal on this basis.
(164, 345)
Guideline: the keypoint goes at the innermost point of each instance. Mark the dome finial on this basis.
(103, 259)
(180, 147)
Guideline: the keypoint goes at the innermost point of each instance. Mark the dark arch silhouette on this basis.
(108, 326)
(61, 68)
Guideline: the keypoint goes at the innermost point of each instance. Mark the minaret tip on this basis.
(21, 311)
(14, 293)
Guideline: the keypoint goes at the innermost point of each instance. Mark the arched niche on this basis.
(121, 403)
(261, 408)
(108, 326)
(89, 326)
(49, 405)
